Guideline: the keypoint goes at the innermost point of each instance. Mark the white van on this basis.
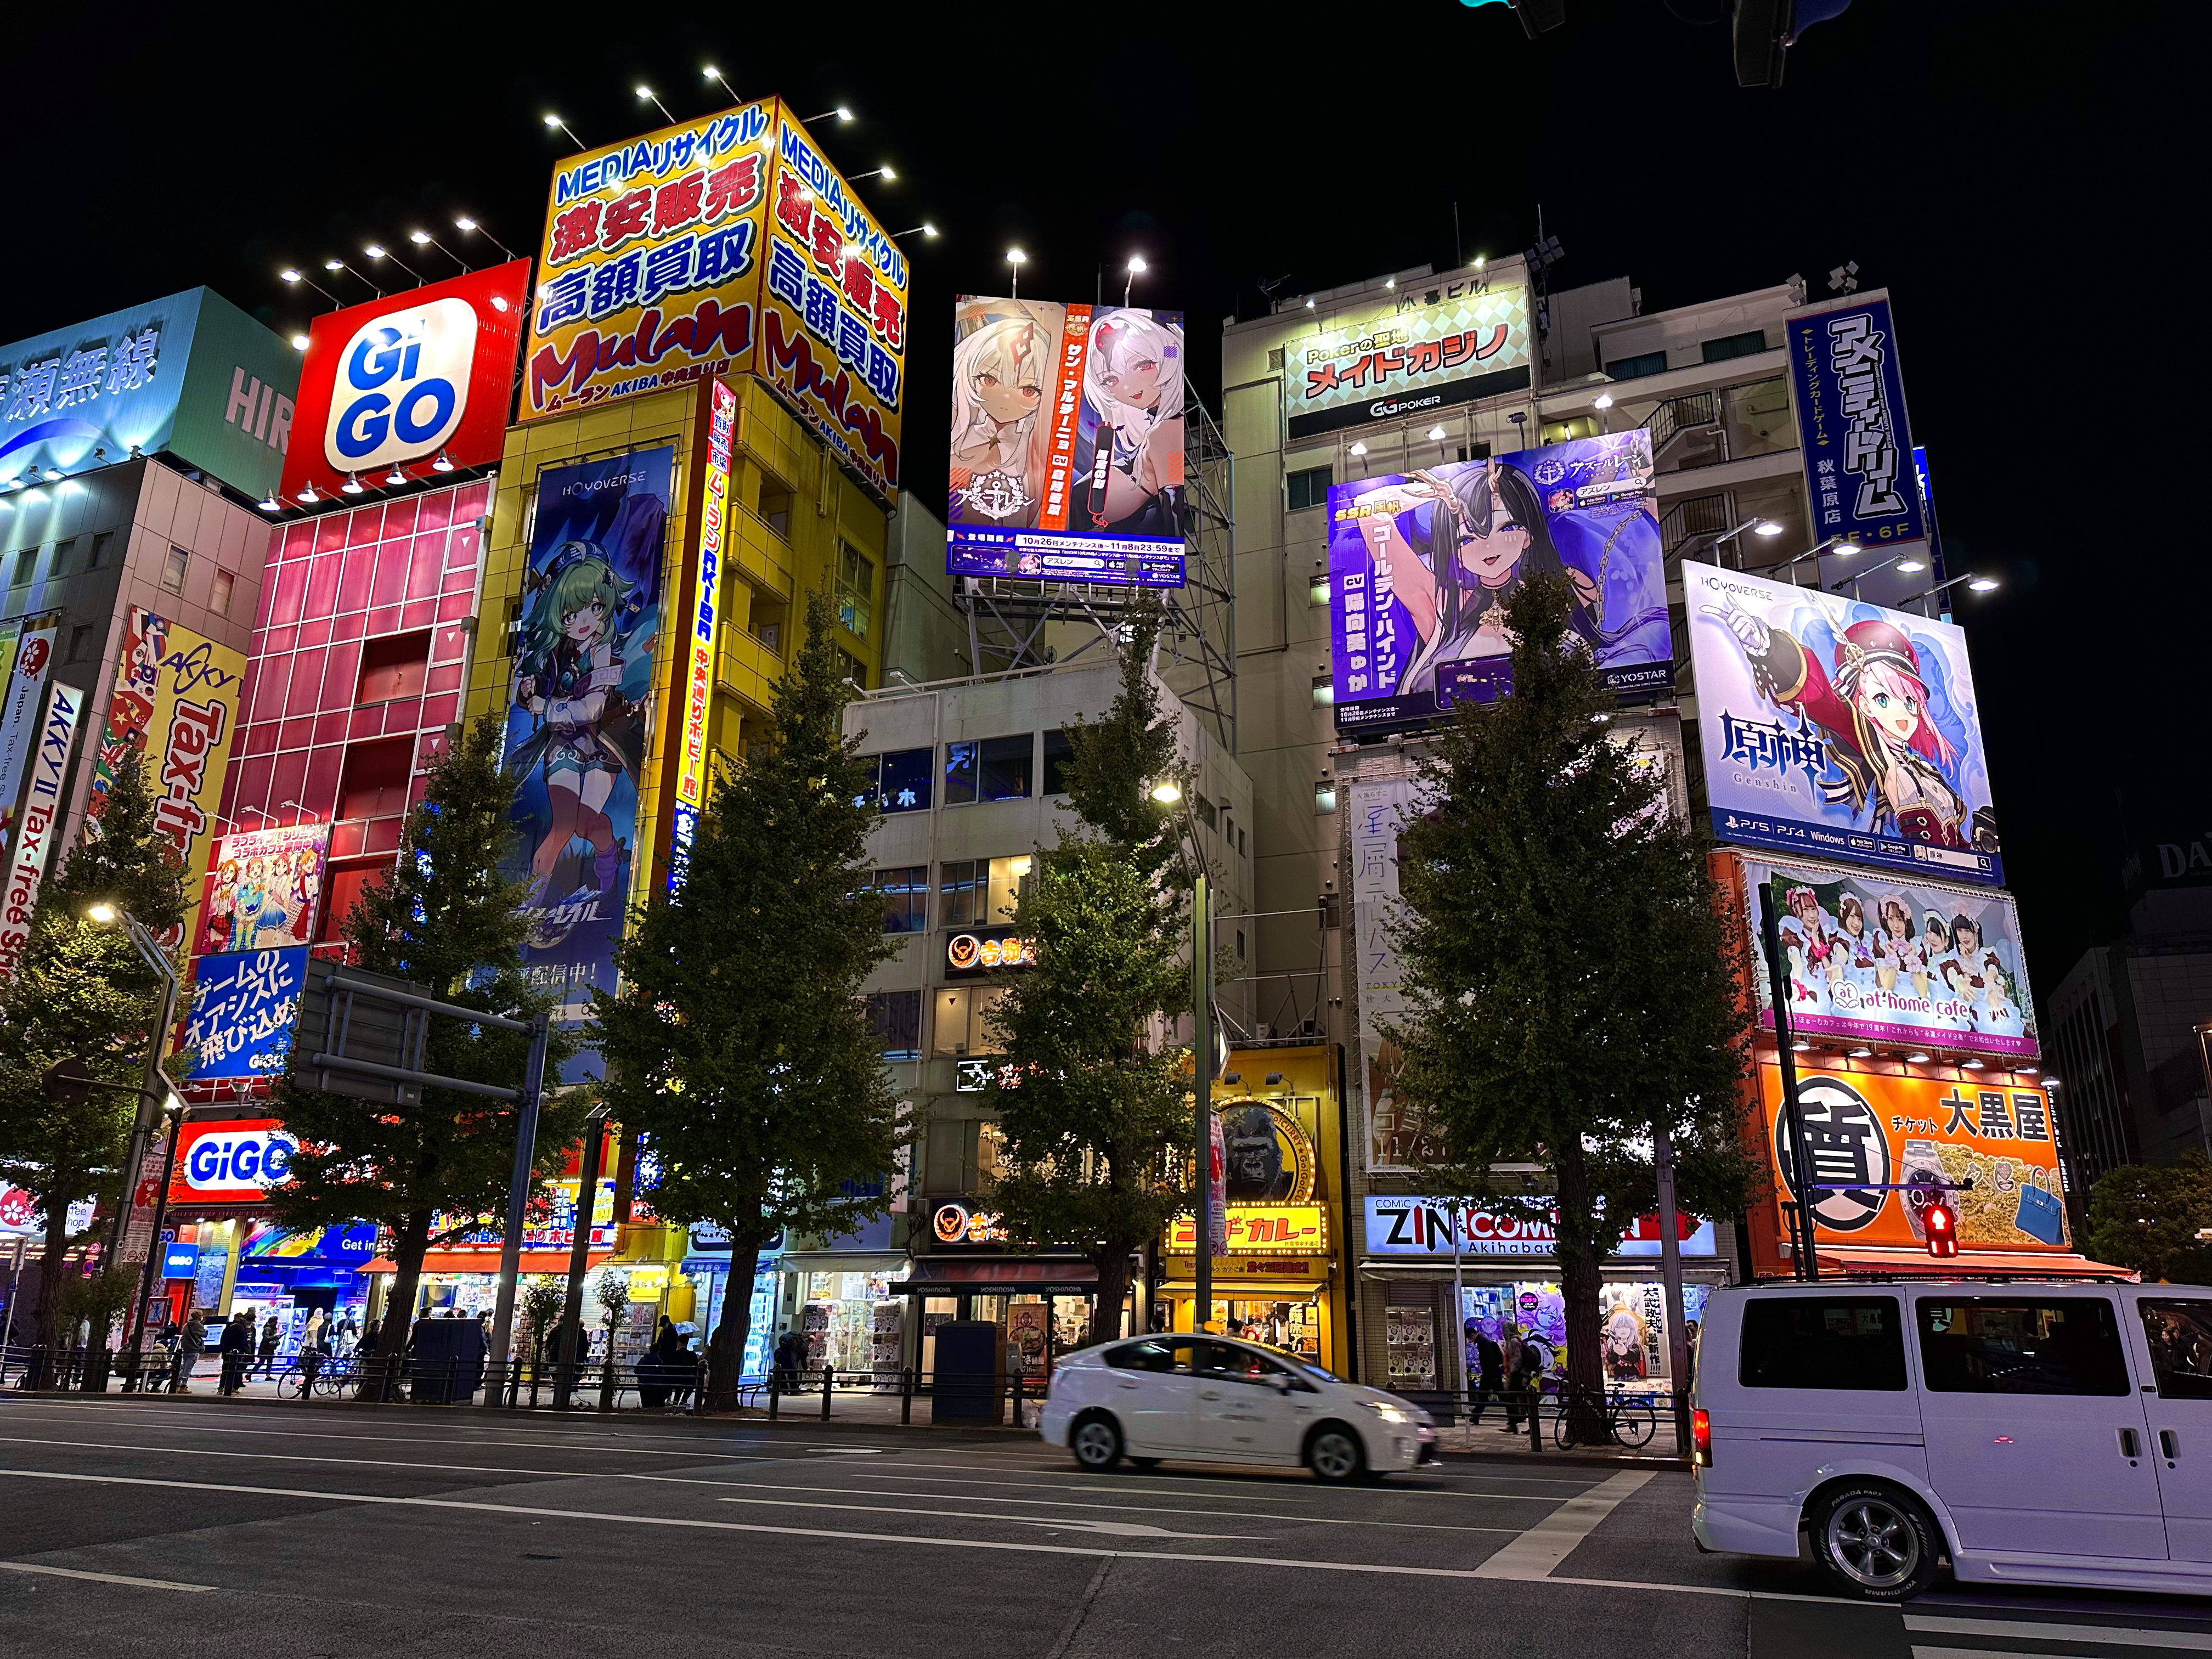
(2032, 1432)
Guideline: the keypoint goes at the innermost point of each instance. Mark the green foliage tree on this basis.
(736, 1046)
(2154, 1218)
(445, 918)
(81, 989)
(1568, 981)
(1093, 1099)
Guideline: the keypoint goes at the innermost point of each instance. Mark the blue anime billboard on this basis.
(580, 718)
(1422, 564)
(1839, 728)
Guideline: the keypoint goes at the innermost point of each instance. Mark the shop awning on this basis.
(983, 1275)
(485, 1261)
(1970, 1264)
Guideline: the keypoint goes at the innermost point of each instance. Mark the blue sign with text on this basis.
(243, 1006)
(1850, 397)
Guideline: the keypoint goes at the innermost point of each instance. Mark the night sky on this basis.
(2000, 167)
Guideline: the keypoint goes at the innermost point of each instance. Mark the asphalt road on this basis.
(174, 1529)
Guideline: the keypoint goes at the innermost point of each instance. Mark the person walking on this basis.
(1489, 1373)
(189, 1341)
(1528, 1369)
(236, 1347)
(264, 1359)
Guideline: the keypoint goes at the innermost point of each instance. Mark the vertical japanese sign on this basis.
(243, 1008)
(1850, 397)
(1838, 728)
(28, 650)
(32, 853)
(262, 886)
(175, 703)
(649, 276)
(1377, 810)
(580, 720)
(1067, 443)
(834, 310)
(699, 672)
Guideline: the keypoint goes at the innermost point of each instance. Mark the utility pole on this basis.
(1803, 1244)
(517, 1195)
(1201, 1056)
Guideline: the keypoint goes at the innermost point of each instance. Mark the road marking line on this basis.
(1139, 1508)
(1536, 1552)
(566, 1442)
(1118, 1528)
(101, 1577)
(2123, 1636)
(1168, 1486)
(1921, 1652)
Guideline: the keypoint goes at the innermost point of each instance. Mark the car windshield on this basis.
(1310, 1368)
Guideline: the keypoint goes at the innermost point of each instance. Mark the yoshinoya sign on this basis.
(404, 380)
(979, 949)
(1412, 1226)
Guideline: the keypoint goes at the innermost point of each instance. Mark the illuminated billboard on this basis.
(1067, 443)
(1436, 343)
(1423, 563)
(1839, 729)
(402, 380)
(649, 275)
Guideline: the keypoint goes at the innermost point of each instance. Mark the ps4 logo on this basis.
(403, 386)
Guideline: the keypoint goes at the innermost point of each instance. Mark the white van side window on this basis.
(2180, 1338)
(2065, 1345)
(1838, 1342)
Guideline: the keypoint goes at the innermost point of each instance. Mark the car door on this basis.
(1152, 1392)
(2037, 1442)
(1251, 1405)
(2177, 1338)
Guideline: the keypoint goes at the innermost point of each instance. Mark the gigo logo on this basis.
(255, 1158)
(403, 386)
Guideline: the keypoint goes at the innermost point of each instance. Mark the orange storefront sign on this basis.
(1867, 1133)
(1260, 1230)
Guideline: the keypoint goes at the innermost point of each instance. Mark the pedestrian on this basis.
(1527, 1369)
(312, 1336)
(236, 1347)
(265, 1359)
(1488, 1372)
(189, 1341)
(786, 1362)
(369, 1338)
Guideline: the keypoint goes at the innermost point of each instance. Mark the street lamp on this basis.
(1135, 269)
(1907, 564)
(1976, 583)
(1757, 526)
(1016, 259)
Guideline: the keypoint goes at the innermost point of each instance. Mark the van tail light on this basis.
(1701, 1438)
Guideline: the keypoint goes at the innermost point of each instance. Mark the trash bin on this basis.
(970, 1382)
(447, 1363)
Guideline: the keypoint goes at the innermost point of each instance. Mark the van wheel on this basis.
(1096, 1444)
(1876, 1541)
(1335, 1456)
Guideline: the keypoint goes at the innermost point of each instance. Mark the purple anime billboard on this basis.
(1422, 564)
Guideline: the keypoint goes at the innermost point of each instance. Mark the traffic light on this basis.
(1940, 1224)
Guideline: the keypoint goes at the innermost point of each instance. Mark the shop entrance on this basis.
(1293, 1318)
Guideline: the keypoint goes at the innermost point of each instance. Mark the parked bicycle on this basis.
(1592, 1417)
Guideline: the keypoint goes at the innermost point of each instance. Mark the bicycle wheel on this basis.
(287, 1384)
(1634, 1421)
(1574, 1404)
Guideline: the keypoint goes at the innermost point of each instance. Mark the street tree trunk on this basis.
(1580, 1265)
(726, 1348)
(409, 1245)
(50, 1261)
(1113, 1264)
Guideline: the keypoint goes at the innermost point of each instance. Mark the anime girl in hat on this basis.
(1897, 767)
(570, 675)
(1133, 380)
(1002, 382)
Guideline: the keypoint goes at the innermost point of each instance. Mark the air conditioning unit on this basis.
(1262, 1032)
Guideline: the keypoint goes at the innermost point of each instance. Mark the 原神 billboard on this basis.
(1440, 342)
(1067, 443)
(1839, 729)
(1875, 958)
(580, 720)
(1422, 565)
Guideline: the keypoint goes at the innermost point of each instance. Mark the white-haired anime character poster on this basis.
(1839, 728)
(579, 721)
(1067, 442)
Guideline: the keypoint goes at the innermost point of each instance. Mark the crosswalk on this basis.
(2129, 1632)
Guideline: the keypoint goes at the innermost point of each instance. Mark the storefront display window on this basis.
(1631, 1320)
(1292, 1327)
(1411, 1340)
(852, 1321)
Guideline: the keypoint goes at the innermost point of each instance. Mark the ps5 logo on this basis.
(403, 386)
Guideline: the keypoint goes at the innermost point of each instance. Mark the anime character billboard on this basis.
(1839, 728)
(1422, 564)
(1880, 959)
(579, 722)
(1067, 443)
(262, 890)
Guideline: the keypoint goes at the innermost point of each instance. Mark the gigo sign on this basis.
(410, 383)
(231, 1162)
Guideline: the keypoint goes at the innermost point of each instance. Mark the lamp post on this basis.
(1904, 561)
(1169, 793)
(1976, 583)
(105, 915)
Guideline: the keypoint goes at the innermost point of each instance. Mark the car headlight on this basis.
(1387, 1411)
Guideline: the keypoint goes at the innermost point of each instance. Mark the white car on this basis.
(1211, 1399)
(2035, 1432)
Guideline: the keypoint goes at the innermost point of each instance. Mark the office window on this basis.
(1308, 487)
(1006, 767)
(1324, 697)
(906, 898)
(1009, 878)
(27, 566)
(392, 666)
(895, 1022)
(2052, 1344)
(1059, 757)
(1844, 1342)
(219, 592)
(1240, 840)
(905, 780)
(962, 761)
(1324, 799)
(1203, 810)
(1317, 589)
(854, 669)
(100, 545)
(79, 645)
(776, 506)
(856, 589)
(374, 782)
(981, 893)
(950, 1007)
(1735, 345)
(173, 568)
(1631, 368)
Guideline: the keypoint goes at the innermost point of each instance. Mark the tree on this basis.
(1093, 1101)
(445, 918)
(81, 989)
(1568, 980)
(2154, 1218)
(736, 1046)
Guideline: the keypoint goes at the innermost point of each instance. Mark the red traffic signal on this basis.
(1940, 1224)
